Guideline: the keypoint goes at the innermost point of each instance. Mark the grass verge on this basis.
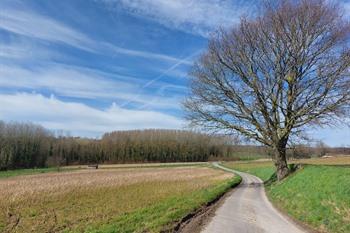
(163, 216)
(317, 195)
(21, 172)
(263, 170)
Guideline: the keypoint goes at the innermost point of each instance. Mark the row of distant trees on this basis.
(26, 145)
(137, 146)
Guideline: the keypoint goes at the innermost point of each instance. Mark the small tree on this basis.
(270, 77)
(321, 148)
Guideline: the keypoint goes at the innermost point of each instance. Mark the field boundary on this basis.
(194, 221)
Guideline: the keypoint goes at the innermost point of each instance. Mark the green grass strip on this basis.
(164, 215)
(317, 195)
(21, 172)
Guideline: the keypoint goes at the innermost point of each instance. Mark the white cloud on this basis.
(79, 118)
(18, 52)
(41, 27)
(63, 80)
(31, 24)
(72, 81)
(197, 17)
(157, 78)
(177, 73)
(144, 54)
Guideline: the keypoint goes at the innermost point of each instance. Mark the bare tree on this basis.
(270, 77)
(320, 148)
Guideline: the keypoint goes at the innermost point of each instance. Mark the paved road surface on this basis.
(248, 210)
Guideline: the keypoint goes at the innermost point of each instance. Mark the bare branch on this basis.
(270, 77)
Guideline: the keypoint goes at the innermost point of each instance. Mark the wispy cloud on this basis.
(27, 64)
(79, 118)
(197, 17)
(160, 76)
(41, 27)
(22, 50)
(73, 81)
(9, 51)
(33, 25)
(143, 54)
(62, 80)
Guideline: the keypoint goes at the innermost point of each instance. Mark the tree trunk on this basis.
(281, 161)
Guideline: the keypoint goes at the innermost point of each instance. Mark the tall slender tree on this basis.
(270, 77)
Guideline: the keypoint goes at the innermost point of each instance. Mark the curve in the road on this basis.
(247, 210)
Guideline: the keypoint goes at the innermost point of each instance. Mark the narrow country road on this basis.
(247, 210)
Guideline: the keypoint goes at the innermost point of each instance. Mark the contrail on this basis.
(161, 76)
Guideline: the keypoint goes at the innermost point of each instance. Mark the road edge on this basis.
(195, 221)
(302, 226)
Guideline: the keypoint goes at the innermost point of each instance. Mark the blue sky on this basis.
(91, 66)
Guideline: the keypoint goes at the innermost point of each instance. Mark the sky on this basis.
(92, 66)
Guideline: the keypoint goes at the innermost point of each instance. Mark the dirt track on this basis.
(247, 210)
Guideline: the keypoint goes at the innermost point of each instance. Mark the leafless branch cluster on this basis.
(269, 77)
(274, 74)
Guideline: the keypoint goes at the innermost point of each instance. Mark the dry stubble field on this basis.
(106, 200)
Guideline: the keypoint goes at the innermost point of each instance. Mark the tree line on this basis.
(24, 145)
(27, 145)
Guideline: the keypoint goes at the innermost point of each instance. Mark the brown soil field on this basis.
(336, 160)
(71, 201)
